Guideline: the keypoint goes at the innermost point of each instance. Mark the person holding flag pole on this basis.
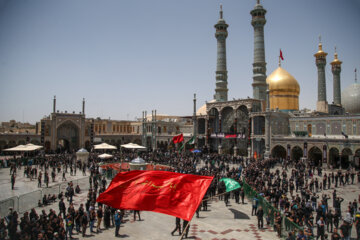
(178, 139)
(230, 185)
(190, 142)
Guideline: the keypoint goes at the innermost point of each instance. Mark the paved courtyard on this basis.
(219, 222)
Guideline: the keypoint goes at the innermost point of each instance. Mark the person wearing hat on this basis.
(118, 218)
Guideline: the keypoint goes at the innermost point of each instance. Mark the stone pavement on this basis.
(218, 223)
(23, 184)
(26, 193)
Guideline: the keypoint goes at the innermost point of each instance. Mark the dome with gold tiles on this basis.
(284, 90)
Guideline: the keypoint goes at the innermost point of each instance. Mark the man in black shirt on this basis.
(62, 207)
(260, 215)
(345, 230)
(99, 214)
(84, 223)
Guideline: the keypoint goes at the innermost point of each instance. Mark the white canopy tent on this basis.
(104, 146)
(105, 156)
(24, 148)
(82, 155)
(132, 146)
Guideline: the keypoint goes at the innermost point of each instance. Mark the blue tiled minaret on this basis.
(320, 60)
(221, 34)
(259, 66)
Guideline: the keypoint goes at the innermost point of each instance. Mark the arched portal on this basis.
(309, 130)
(278, 152)
(137, 141)
(34, 141)
(227, 120)
(213, 128)
(2, 144)
(242, 129)
(346, 154)
(228, 127)
(357, 158)
(296, 153)
(47, 146)
(11, 144)
(68, 136)
(201, 126)
(242, 120)
(88, 146)
(334, 157)
(315, 156)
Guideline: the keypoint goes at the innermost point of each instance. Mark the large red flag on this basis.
(178, 138)
(171, 193)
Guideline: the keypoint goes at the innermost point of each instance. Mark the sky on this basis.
(127, 56)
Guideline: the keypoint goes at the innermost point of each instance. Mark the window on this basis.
(354, 129)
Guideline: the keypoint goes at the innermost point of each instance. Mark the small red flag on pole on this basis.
(281, 55)
(178, 138)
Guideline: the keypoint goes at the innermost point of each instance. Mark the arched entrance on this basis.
(2, 144)
(201, 126)
(357, 158)
(296, 153)
(213, 128)
(34, 141)
(334, 157)
(315, 156)
(346, 153)
(47, 146)
(279, 152)
(63, 145)
(68, 137)
(88, 146)
(11, 144)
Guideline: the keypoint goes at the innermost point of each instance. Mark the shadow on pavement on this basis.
(238, 214)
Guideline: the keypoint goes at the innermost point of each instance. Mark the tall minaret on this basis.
(320, 59)
(336, 69)
(83, 106)
(259, 66)
(221, 34)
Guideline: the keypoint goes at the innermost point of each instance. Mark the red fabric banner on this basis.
(230, 136)
(178, 138)
(281, 55)
(170, 193)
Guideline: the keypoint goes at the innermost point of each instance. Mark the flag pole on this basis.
(280, 58)
(217, 195)
(184, 230)
(187, 225)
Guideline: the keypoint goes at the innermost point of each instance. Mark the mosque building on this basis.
(270, 123)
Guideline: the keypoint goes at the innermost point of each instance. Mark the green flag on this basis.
(230, 184)
(191, 141)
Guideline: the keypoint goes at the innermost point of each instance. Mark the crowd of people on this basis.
(302, 199)
(299, 195)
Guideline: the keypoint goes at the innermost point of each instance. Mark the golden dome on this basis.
(202, 110)
(320, 52)
(336, 61)
(281, 80)
(284, 90)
